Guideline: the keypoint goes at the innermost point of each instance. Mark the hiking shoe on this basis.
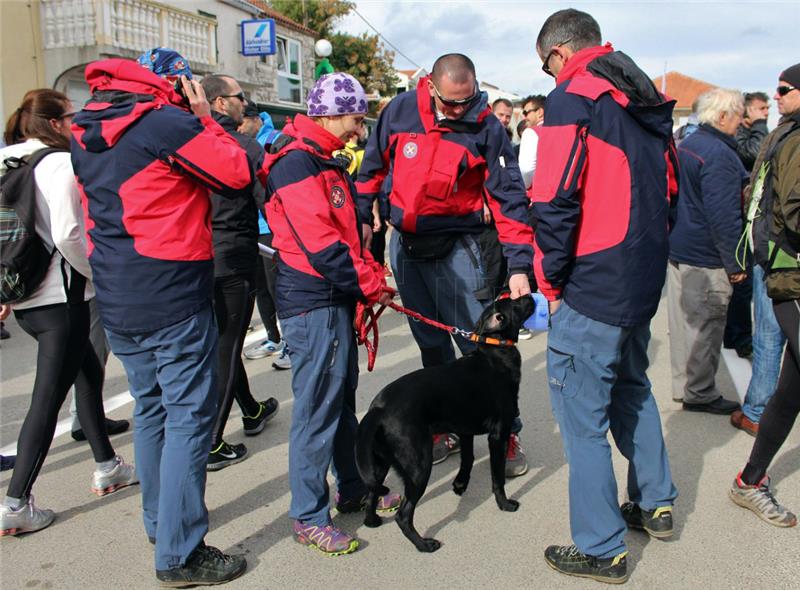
(567, 559)
(264, 349)
(516, 463)
(108, 482)
(525, 334)
(283, 361)
(266, 411)
(25, 519)
(444, 445)
(225, 455)
(718, 406)
(386, 504)
(657, 523)
(205, 565)
(760, 500)
(327, 539)
(112, 427)
(742, 422)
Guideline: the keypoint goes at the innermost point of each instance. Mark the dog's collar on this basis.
(489, 340)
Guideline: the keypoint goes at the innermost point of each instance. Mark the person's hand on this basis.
(366, 234)
(376, 225)
(386, 298)
(737, 277)
(487, 214)
(196, 97)
(5, 311)
(553, 306)
(518, 285)
(753, 114)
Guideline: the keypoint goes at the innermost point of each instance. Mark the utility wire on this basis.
(389, 43)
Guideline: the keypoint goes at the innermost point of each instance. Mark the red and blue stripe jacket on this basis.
(312, 213)
(605, 179)
(145, 166)
(440, 172)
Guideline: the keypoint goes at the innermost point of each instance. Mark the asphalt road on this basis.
(99, 543)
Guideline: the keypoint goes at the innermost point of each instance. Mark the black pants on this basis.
(233, 304)
(378, 247)
(782, 409)
(63, 357)
(266, 275)
(739, 324)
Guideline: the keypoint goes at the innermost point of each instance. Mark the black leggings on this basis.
(266, 275)
(782, 409)
(63, 358)
(233, 305)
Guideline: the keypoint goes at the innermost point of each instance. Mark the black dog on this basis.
(476, 394)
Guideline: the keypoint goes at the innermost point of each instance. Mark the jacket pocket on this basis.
(562, 374)
(444, 171)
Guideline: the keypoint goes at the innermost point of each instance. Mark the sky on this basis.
(743, 45)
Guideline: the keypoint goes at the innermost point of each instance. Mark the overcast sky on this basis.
(740, 45)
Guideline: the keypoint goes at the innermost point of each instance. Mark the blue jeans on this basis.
(598, 380)
(324, 357)
(172, 376)
(768, 341)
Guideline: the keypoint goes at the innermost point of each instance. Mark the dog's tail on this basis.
(368, 441)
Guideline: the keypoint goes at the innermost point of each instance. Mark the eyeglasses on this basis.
(784, 90)
(68, 115)
(546, 63)
(456, 102)
(527, 112)
(240, 96)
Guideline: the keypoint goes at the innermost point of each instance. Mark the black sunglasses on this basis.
(457, 102)
(784, 90)
(546, 63)
(240, 96)
(525, 113)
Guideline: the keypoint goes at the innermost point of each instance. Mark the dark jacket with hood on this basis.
(748, 142)
(601, 196)
(145, 166)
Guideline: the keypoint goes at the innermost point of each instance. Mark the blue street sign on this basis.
(258, 37)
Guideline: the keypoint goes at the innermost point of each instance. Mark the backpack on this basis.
(24, 257)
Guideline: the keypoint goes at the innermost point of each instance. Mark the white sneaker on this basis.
(266, 348)
(26, 519)
(121, 476)
(283, 362)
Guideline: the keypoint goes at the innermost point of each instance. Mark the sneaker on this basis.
(283, 362)
(516, 463)
(525, 334)
(567, 559)
(718, 406)
(225, 455)
(25, 519)
(112, 427)
(444, 445)
(7, 462)
(386, 504)
(205, 565)
(108, 482)
(266, 411)
(265, 348)
(657, 523)
(760, 500)
(742, 422)
(328, 539)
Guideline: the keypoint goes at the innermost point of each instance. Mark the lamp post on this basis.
(323, 49)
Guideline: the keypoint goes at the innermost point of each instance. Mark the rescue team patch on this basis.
(410, 150)
(337, 196)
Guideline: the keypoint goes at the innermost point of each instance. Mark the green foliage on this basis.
(319, 15)
(366, 59)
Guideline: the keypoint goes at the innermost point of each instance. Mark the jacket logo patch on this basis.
(410, 150)
(337, 197)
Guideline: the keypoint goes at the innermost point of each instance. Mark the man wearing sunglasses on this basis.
(601, 199)
(441, 150)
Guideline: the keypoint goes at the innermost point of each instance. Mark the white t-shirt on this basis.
(528, 144)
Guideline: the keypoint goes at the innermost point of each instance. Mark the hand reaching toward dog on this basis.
(519, 285)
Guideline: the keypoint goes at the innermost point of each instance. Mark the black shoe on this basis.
(205, 565)
(745, 351)
(266, 412)
(7, 462)
(112, 427)
(4, 334)
(718, 406)
(225, 455)
(568, 560)
(657, 523)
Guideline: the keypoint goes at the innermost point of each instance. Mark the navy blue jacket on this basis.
(708, 222)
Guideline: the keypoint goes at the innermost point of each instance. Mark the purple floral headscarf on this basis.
(336, 94)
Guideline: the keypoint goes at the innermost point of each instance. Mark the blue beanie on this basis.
(163, 61)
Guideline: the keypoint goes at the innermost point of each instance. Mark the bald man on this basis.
(441, 150)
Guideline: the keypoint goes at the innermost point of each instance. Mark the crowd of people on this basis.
(596, 208)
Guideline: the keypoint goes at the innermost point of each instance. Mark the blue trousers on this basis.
(597, 378)
(172, 376)
(324, 356)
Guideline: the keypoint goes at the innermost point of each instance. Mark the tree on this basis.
(366, 59)
(319, 15)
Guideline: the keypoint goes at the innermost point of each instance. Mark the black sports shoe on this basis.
(568, 560)
(112, 427)
(225, 455)
(266, 412)
(205, 565)
(657, 523)
(718, 406)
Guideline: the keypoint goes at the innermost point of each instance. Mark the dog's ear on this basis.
(523, 308)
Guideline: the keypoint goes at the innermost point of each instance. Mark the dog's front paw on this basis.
(429, 545)
(507, 505)
(459, 486)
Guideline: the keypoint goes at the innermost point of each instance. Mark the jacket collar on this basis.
(305, 135)
(579, 60)
(224, 121)
(128, 76)
(728, 139)
(470, 122)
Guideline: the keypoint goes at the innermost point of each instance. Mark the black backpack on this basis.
(24, 257)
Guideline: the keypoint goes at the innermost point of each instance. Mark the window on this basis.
(290, 81)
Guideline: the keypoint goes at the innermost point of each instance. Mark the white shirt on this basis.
(528, 144)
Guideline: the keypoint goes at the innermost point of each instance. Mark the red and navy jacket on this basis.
(312, 213)
(440, 171)
(145, 166)
(605, 179)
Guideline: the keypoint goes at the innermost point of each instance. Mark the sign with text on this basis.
(258, 37)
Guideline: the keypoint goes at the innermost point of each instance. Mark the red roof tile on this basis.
(281, 18)
(682, 88)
